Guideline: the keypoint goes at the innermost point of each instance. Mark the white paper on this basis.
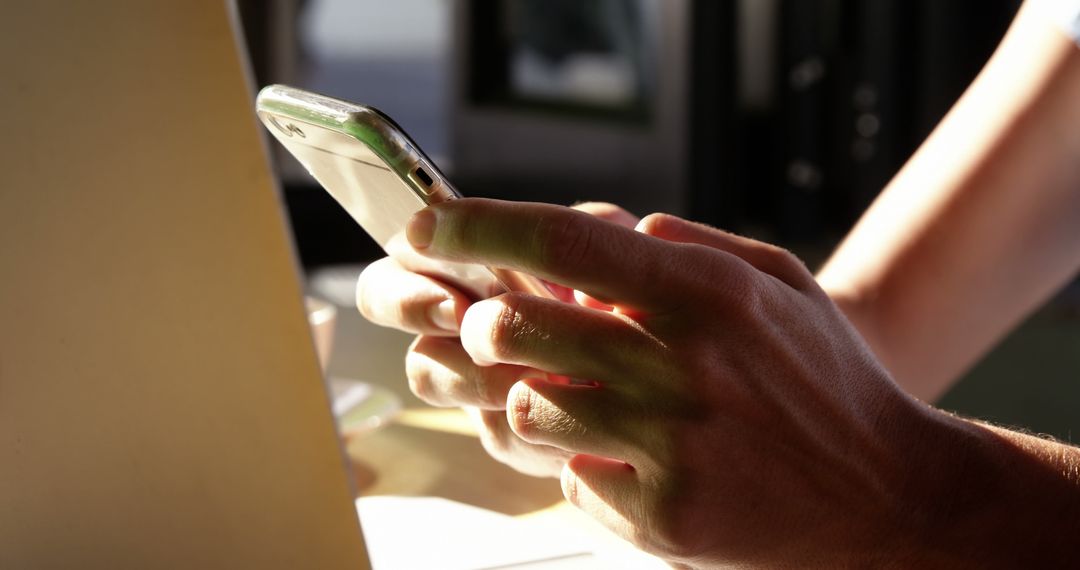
(409, 533)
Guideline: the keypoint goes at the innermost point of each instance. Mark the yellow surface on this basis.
(409, 460)
(430, 452)
(453, 420)
(160, 400)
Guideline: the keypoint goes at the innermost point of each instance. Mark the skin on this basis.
(981, 227)
(406, 292)
(727, 412)
(728, 409)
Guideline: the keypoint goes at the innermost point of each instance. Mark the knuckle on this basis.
(701, 274)
(655, 223)
(519, 412)
(567, 242)
(509, 329)
(419, 375)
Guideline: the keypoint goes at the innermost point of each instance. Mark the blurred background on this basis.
(779, 119)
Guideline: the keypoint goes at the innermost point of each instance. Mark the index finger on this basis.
(610, 262)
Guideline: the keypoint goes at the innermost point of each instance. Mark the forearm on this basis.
(990, 497)
(981, 226)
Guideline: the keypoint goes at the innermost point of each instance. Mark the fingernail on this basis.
(421, 229)
(444, 315)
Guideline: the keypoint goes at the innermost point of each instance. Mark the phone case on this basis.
(375, 171)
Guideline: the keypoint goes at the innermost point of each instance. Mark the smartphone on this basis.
(375, 171)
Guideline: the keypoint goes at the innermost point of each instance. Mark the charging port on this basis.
(424, 177)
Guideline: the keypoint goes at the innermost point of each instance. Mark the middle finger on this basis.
(560, 338)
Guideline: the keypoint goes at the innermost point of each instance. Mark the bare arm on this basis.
(981, 226)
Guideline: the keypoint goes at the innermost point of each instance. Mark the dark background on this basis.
(785, 120)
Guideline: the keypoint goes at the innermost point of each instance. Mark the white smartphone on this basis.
(375, 171)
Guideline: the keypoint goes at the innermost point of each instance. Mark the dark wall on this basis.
(860, 84)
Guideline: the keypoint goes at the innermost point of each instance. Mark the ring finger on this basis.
(441, 373)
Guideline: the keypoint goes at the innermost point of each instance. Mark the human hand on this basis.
(409, 292)
(734, 417)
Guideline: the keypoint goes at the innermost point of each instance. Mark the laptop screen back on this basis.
(160, 399)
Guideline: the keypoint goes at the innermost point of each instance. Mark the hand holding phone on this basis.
(375, 172)
(381, 178)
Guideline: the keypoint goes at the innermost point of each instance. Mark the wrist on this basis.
(916, 492)
(985, 496)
